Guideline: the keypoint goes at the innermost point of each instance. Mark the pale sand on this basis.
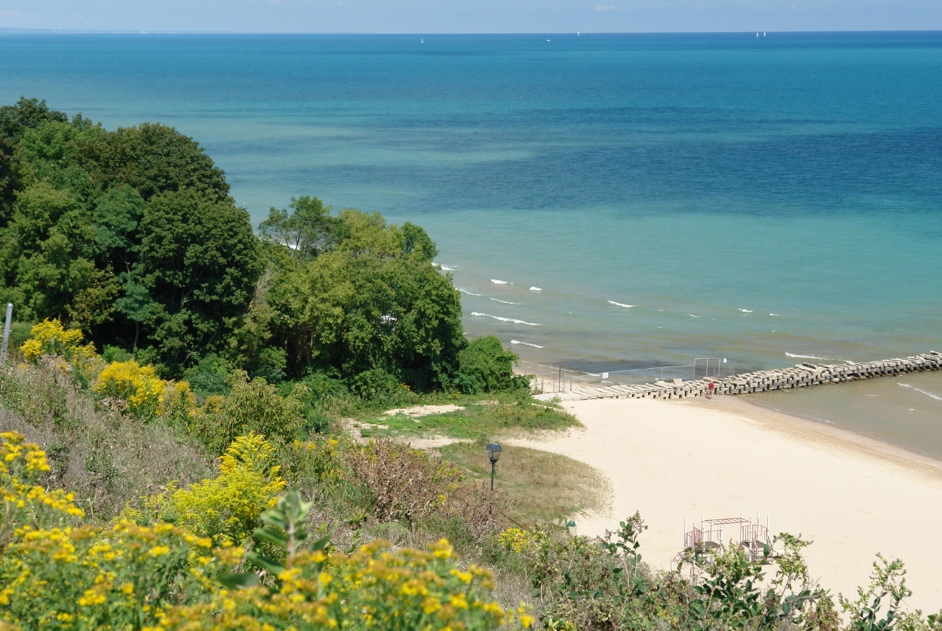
(851, 495)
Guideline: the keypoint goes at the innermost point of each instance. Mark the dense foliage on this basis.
(366, 304)
(131, 236)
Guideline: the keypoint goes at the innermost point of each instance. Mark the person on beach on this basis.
(710, 388)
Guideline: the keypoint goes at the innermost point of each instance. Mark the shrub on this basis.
(326, 397)
(208, 377)
(50, 339)
(103, 456)
(143, 393)
(55, 576)
(484, 366)
(227, 508)
(112, 353)
(379, 387)
(162, 576)
(251, 407)
(19, 334)
(403, 483)
(318, 463)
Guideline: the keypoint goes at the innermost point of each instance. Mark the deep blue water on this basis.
(673, 196)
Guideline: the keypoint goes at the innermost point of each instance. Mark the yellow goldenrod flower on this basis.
(442, 549)
(91, 597)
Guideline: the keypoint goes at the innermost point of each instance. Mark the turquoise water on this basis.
(767, 200)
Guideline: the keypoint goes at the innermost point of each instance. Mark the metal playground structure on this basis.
(713, 534)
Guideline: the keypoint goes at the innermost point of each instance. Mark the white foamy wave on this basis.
(620, 304)
(745, 310)
(525, 343)
(504, 302)
(445, 268)
(694, 316)
(796, 356)
(921, 391)
(513, 320)
(498, 282)
(774, 315)
(536, 289)
(469, 292)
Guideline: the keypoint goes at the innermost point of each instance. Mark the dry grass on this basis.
(541, 486)
(105, 458)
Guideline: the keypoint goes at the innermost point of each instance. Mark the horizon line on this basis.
(13, 30)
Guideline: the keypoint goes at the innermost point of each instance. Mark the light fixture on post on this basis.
(493, 453)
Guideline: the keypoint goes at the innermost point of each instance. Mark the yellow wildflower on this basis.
(442, 549)
(91, 597)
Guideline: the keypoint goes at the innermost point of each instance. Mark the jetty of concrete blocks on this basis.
(799, 376)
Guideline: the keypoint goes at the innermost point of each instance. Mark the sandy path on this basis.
(853, 496)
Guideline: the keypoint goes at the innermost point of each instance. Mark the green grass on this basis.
(480, 418)
(542, 486)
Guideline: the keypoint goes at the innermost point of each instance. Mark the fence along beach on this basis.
(554, 384)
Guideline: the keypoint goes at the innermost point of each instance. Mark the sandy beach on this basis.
(851, 495)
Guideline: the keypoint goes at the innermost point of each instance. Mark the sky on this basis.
(471, 16)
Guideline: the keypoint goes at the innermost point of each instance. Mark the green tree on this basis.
(307, 230)
(47, 260)
(374, 302)
(53, 151)
(154, 159)
(14, 121)
(199, 263)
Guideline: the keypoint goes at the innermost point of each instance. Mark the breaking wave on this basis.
(620, 304)
(513, 320)
(525, 343)
(931, 395)
(797, 356)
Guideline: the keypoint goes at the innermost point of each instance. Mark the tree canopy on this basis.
(131, 236)
(373, 302)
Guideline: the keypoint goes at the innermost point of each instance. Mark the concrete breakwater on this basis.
(799, 376)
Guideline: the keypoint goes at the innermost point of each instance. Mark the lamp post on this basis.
(493, 453)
